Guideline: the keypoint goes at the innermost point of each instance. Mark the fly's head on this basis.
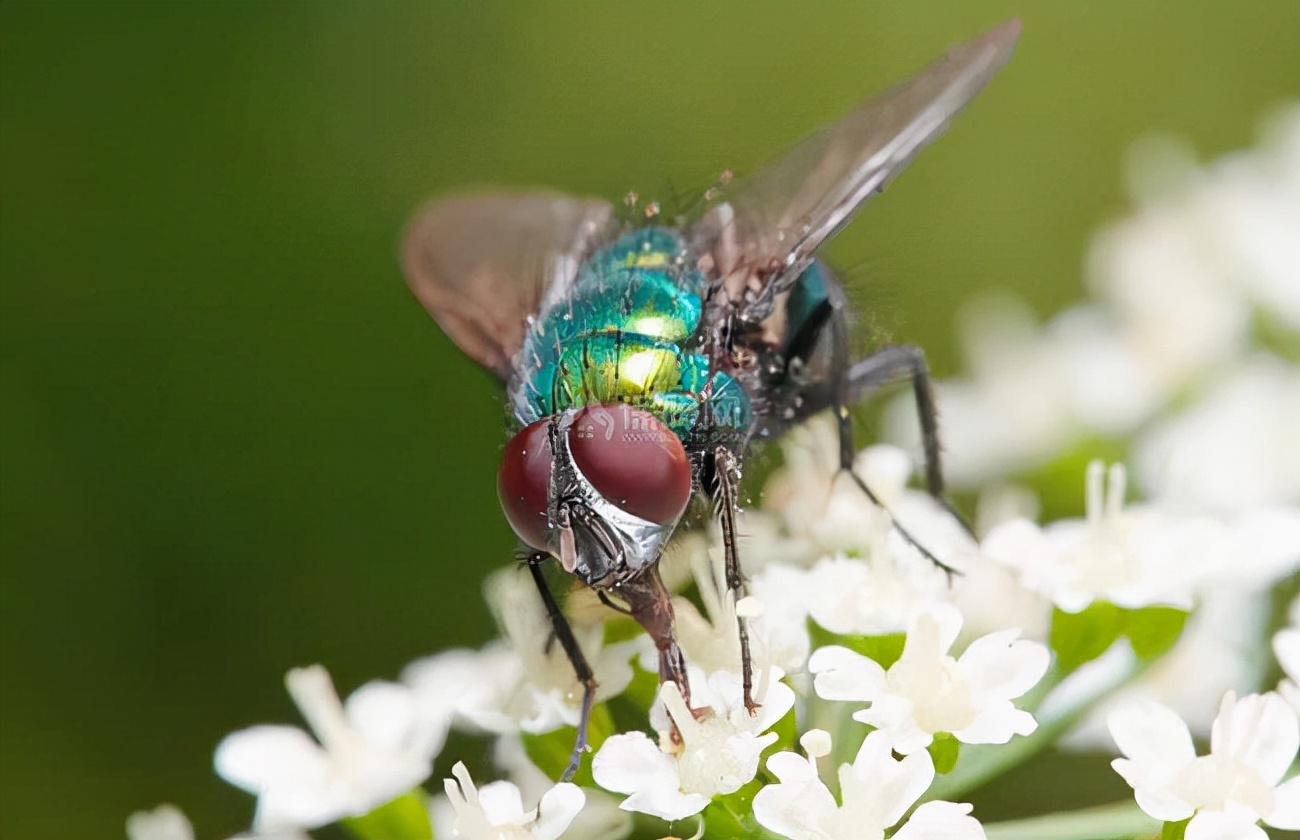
(601, 488)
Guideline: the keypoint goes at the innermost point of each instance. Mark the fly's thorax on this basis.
(627, 331)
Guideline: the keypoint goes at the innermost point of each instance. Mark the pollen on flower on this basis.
(705, 762)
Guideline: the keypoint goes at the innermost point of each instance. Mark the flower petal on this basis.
(1159, 747)
(997, 724)
(259, 756)
(1001, 666)
(558, 808)
(502, 803)
(941, 821)
(166, 822)
(797, 805)
(388, 716)
(1259, 730)
(631, 763)
(878, 784)
(843, 674)
(1152, 734)
(1235, 822)
(1286, 806)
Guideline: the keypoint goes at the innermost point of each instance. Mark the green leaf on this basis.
(787, 733)
(1081, 637)
(944, 749)
(404, 818)
(731, 817)
(1174, 830)
(885, 649)
(1154, 630)
(551, 751)
(620, 629)
(630, 710)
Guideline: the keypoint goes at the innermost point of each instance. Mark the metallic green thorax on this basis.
(625, 332)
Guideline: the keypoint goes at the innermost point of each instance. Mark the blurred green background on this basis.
(231, 441)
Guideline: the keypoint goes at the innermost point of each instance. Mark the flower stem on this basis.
(1121, 819)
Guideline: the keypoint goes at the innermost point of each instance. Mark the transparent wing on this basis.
(767, 231)
(482, 264)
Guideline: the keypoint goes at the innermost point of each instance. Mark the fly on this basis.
(642, 363)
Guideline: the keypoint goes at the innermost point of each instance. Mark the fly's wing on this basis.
(482, 264)
(766, 233)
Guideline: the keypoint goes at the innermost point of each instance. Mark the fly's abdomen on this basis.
(623, 334)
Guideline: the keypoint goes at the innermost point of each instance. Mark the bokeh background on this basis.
(231, 441)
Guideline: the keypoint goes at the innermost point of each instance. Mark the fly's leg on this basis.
(851, 383)
(562, 632)
(890, 364)
(725, 474)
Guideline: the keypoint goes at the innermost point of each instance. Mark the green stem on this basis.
(1121, 819)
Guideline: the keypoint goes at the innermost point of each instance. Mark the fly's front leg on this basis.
(725, 474)
(564, 634)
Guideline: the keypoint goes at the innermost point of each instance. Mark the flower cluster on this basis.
(889, 690)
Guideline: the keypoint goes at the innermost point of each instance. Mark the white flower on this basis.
(780, 631)
(1236, 449)
(825, 512)
(496, 810)
(167, 822)
(775, 612)
(711, 640)
(1032, 390)
(1225, 793)
(990, 596)
(927, 692)
(370, 751)
(716, 755)
(525, 683)
(600, 818)
(872, 596)
(1131, 557)
(876, 791)
(1207, 244)
(1178, 286)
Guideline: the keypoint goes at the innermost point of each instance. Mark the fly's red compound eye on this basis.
(523, 481)
(632, 460)
(626, 454)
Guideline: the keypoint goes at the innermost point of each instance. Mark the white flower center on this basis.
(857, 817)
(713, 752)
(932, 681)
(940, 693)
(1103, 560)
(1211, 781)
